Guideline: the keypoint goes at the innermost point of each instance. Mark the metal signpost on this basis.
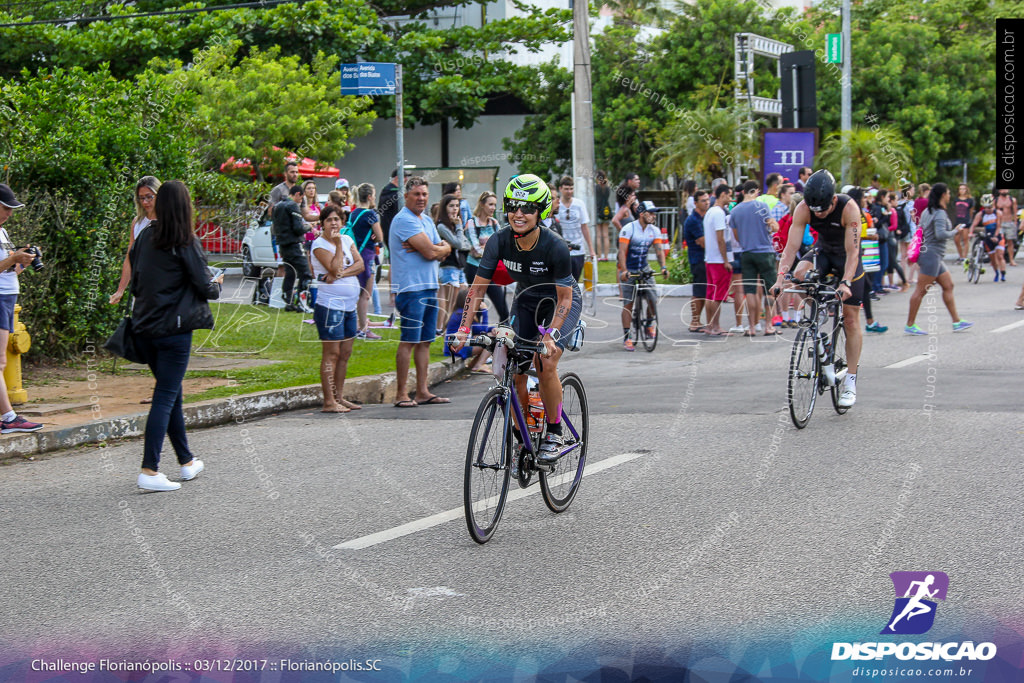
(374, 79)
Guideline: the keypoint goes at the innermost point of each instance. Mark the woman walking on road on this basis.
(170, 302)
(936, 227)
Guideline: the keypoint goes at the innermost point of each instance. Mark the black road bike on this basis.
(818, 360)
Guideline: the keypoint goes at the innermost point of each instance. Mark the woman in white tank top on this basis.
(145, 213)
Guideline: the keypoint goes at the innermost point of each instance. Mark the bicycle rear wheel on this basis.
(487, 471)
(648, 309)
(840, 363)
(803, 378)
(560, 486)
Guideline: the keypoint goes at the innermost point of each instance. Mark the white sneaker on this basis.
(848, 397)
(189, 472)
(738, 329)
(157, 482)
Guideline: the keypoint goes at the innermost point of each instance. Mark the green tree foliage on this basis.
(541, 146)
(264, 105)
(76, 143)
(926, 69)
(869, 151)
(449, 73)
(712, 142)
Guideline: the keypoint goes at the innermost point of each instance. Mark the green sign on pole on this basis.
(834, 48)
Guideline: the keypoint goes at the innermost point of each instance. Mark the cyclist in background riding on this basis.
(995, 246)
(836, 218)
(635, 240)
(547, 304)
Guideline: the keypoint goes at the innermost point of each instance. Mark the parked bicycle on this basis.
(503, 444)
(644, 326)
(818, 360)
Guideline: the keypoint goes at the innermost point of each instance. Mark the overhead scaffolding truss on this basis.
(746, 46)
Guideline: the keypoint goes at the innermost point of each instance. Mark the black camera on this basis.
(37, 262)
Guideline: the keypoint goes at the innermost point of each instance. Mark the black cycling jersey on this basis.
(537, 271)
(831, 232)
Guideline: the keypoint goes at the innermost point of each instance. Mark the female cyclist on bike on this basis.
(547, 304)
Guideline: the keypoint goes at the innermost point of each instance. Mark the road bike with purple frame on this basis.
(496, 449)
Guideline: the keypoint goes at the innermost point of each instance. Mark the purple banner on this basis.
(785, 151)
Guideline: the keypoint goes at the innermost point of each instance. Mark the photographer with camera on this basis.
(12, 261)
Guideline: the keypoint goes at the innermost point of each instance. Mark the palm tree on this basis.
(714, 142)
(880, 151)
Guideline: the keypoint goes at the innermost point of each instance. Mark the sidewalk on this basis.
(101, 406)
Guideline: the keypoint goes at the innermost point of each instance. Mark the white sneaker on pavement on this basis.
(189, 472)
(157, 482)
(848, 397)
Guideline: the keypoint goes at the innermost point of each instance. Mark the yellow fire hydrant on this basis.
(18, 343)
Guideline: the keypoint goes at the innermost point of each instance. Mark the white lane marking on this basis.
(1007, 328)
(908, 361)
(457, 513)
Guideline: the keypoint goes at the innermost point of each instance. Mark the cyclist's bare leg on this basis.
(923, 283)
(801, 270)
(854, 336)
(627, 314)
(550, 386)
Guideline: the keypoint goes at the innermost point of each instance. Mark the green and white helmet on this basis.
(528, 188)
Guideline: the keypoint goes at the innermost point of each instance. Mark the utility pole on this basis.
(399, 133)
(846, 122)
(583, 134)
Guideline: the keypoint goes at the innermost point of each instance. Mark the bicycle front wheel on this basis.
(487, 470)
(841, 365)
(560, 486)
(803, 378)
(648, 331)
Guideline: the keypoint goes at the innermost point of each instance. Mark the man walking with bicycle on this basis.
(837, 221)
(635, 241)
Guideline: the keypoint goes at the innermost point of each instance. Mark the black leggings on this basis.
(495, 293)
(894, 261)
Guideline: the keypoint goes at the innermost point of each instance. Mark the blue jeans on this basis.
(168, 359)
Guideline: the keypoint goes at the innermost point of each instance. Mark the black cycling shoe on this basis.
(550, 449)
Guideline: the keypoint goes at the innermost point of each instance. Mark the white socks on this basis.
(8, 416)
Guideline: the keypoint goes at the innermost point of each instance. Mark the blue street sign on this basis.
(368, 78)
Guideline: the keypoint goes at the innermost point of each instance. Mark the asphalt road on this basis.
(728, 540)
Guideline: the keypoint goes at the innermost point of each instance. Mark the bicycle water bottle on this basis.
(535, 413)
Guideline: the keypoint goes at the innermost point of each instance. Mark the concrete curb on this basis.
(368, 390)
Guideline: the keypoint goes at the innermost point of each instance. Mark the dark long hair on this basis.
(938, 189)
(174, 216)
(442, 211)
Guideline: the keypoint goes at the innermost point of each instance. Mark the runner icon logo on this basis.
(914, 611)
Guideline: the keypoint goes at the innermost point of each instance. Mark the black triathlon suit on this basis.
(830, 250)
(536, 273)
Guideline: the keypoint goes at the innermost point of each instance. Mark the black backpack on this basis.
(902, 224)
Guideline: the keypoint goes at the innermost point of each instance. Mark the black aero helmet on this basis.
(819, 190)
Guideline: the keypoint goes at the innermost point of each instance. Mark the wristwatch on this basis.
(849, 285)
(554, 332)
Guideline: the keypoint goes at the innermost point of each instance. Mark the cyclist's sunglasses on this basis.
(527, 208)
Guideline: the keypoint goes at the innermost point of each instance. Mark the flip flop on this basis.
(408, 403)
(771, 333)
(435, 400)
(698, 330)
(1016, 308)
